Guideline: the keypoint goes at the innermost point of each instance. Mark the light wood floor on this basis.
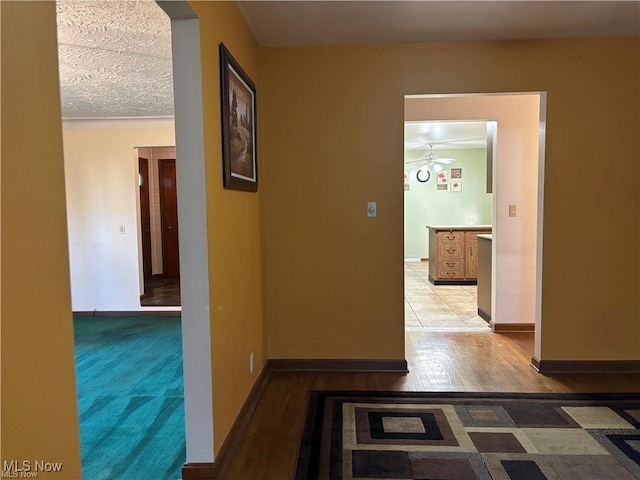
(451, 361)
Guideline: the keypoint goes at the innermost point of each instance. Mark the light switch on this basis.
(512, 210)
(122, 230)
(372, 209)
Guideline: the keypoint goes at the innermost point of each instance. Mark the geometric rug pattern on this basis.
(470, 436)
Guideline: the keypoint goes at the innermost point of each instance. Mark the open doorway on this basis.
(446, 207)
(514, 176)
(159, 239)
(129, 362)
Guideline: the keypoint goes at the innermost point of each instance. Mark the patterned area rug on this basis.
(463, 436)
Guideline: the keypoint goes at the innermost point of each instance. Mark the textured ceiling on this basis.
(115, 56)
(115, 59)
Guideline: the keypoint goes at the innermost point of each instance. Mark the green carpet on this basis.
(130, 397)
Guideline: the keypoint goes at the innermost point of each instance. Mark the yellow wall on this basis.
(39, 420)
(332, 138)
(235, 253)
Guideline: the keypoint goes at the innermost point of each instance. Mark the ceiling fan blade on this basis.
(445, 160)
(461, 140)
(415, 161)
(415, 146)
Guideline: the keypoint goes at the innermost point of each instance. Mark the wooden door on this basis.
(169, 217)
(145, 217)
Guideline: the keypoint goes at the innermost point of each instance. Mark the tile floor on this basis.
(442, 308)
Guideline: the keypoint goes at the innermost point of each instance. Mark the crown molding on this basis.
(89, 123)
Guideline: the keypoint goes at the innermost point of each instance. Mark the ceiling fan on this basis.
(430, 161)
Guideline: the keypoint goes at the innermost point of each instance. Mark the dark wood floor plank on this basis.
(437, 362)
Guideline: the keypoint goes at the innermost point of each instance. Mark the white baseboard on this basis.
(412, 259)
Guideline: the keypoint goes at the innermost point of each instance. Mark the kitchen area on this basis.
(448, 227)
(486, 172)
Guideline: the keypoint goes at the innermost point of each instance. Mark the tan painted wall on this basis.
(39, 420)
(332, 139)
(234, 229)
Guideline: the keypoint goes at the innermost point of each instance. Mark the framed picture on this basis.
(456, 173)
(239, 153)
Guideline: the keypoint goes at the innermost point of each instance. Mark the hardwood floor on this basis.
(161, 292)
(451, 361)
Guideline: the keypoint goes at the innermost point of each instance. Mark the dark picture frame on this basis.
(239, 125)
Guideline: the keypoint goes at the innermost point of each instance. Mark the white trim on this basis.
(457, 95)
(412, 259)
(542, 135)
(194, 244)
(116, 123)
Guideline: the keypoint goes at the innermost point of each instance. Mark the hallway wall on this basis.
(234, 227)
(334, 276)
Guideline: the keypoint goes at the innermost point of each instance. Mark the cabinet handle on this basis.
(449, 237)
(451, 251)
(451, 264)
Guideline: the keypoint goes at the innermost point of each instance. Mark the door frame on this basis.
(498, 221)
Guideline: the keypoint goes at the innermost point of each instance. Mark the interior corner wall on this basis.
(102, 194)
(39, 406)
(234, 227)
(332, 121)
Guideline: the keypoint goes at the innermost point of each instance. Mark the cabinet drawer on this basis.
(450, 273)
(450, 250)
(445, 237)
(450, 263)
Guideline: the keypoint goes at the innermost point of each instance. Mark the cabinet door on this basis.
(471, 255)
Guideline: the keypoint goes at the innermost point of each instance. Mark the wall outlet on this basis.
(512, 210)
(251, 362)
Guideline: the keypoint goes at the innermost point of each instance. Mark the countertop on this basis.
(460, 227)
(485, 236)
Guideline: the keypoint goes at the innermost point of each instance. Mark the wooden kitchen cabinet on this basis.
(453, 253)
(471, 254)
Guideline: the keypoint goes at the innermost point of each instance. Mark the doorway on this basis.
(445, 185)
(159, 243)
(516, 178)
